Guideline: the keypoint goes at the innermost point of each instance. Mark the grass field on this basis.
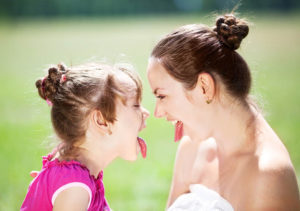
(27, 47)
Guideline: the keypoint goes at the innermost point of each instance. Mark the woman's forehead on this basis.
(158, 76)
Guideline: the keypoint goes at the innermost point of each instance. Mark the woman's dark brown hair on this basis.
(75, 92)
(194, 49)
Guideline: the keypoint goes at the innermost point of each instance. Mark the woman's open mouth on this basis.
(178, 131)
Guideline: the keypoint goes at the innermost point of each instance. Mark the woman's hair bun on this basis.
(231, 30)
(48, 86)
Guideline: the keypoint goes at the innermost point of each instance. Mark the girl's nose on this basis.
(145, 113)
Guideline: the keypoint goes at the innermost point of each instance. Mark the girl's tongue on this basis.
(178, 131)
(143, 146)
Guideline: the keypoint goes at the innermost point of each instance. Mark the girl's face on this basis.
(130, 121)
(175, 103)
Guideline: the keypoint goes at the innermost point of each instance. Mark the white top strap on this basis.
(70, 185)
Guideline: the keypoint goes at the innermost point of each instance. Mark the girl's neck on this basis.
(95, 162)
(96, 153)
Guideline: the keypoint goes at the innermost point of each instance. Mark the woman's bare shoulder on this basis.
(274, 179)
(275, 189)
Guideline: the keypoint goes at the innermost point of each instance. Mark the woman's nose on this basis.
(158, 112)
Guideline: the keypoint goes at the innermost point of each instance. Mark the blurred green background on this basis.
(30, 42)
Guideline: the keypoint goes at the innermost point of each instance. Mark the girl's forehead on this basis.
(126, 84)
(124, 79)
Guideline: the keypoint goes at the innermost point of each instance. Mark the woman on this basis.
(203, 84)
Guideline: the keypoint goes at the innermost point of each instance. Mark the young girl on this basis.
(96, 113)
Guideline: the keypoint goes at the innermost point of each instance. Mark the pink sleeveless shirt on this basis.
(57, 176)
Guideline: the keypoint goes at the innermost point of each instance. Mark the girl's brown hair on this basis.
(75, 92)
(194, 49)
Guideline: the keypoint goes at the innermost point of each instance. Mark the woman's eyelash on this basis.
(160, 97)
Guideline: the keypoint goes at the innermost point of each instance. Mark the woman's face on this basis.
(174, 102)
(130, 121)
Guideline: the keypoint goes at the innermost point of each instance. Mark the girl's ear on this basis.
(99, 121)
(207, 85)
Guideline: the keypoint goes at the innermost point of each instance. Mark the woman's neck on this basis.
(233, 125)
(235, 129)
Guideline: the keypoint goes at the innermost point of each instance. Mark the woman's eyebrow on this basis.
(155, 91)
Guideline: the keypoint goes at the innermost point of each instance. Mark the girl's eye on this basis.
(137, 105)
(160, 97)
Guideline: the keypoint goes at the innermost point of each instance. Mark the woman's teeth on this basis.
(174, 122)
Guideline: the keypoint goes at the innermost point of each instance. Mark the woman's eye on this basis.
(160, 97)
(137, 105)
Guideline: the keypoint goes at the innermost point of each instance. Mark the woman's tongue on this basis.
(178, 136)
(178, 131)
(143, 146)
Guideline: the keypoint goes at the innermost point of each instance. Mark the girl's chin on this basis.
(140, 148)
(132, 157)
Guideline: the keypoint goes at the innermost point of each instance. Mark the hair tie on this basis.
(63, 78)
(49, 102)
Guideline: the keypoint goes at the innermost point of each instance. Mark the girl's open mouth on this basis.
(143, 146)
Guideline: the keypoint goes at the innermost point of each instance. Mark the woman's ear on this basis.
(207, 85)
(99, 121)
